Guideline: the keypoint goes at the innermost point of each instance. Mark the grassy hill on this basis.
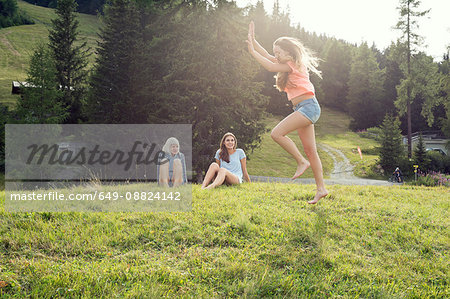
(17, 43)
(254, 240)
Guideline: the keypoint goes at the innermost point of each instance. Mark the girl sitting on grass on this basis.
(230, 166)
(172, 165)
(292, 62)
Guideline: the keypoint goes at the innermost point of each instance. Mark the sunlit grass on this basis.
(253, 240)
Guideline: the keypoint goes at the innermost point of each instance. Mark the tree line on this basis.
(185, 61)
(92, 7)
(10, 15)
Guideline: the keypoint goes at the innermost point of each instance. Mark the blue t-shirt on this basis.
(234, 166)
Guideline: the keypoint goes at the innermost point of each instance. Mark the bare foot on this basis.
(318, 196)
(301, 169)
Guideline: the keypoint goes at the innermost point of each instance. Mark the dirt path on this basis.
(343, 169)
(5, 41)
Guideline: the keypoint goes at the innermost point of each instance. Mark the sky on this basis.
(367, 20)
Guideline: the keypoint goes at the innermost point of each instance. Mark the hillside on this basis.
(254, 240)
(16, 44)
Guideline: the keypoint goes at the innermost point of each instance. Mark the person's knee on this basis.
(275, 135)
(177, 164)
(214, 166)
(310, 151)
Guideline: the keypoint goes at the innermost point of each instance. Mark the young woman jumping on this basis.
(292, 62)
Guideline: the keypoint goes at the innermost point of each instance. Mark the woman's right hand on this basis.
(251, 48)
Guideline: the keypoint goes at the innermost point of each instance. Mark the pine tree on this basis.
(391, 151)
(408, 25)
(70, 59)
(119, 83)
(420, 152)
(445, 90)
(365, 89)
(40, 102)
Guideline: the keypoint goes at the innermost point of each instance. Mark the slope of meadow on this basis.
(253, 240)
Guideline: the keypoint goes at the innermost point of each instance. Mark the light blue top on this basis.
(234, 166)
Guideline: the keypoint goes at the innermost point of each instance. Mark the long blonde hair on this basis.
(301, 56)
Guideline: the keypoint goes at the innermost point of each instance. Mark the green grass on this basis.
(253, 240)
(17, 44)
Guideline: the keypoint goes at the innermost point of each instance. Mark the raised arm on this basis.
(265, 62)
(258, 48)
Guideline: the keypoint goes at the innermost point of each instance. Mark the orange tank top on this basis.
(298, 82)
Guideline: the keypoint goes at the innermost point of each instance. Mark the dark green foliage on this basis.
(11, 16)
(186, 65)
(420, 152)
(364, 89)
(209, 83)
(444, 68)
(336, 72)
(391, 151)
(424, 88)
(84, 6)
(4, 113)
(393, 75)
(121, 79)
(40, 103)
(70, 59)
(436, 162)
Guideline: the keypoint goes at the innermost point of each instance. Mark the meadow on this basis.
(254, 240)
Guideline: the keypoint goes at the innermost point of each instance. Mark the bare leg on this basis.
(164, 175)
(307, 136)
(224, 175)
(177, 177)
(291, 123)
(210, 174)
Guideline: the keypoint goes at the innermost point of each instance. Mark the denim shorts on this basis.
(309, 108)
